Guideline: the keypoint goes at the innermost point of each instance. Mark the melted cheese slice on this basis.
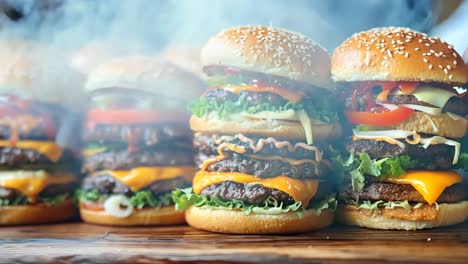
(290, 95)
(299, 190)
(32, 183)
(430, 184)
(48, 148)
(138, 178)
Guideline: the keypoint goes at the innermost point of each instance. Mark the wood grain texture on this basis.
(82, 243)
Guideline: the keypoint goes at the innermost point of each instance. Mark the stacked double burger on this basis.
(258, 130)
(138, 144)
(37, 178)
(397, 90)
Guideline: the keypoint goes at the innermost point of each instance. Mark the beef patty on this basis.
(49, 191)
(435, 157)
(454, 105)
(106, 184)
(207, 145)
(12, 158)
(387, 191)
(125, 160)
(255, 193)
(270, 168)
(146, 134)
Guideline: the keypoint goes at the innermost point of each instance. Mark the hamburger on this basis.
(406, 122)
(261, 134)
(137, 142)
(37, 178)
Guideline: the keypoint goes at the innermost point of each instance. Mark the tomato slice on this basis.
(132, 116)
(379, 119)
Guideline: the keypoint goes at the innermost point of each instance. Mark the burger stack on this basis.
(137, 142)
(261, 131)
(406, 121)
(37, 171)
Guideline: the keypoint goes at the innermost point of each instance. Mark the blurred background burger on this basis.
(38, 170)
(137, 142)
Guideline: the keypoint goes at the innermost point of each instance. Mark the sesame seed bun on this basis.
(34, 72)
(147, 74)
(280, 129)
(397, 54)
(271, 51)
(36, 214)
(446, 215)
(140, 217)
(236, 222)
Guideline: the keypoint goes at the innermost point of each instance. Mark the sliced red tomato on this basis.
(132, 116)
(379, 119)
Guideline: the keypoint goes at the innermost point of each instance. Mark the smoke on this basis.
(150, 25)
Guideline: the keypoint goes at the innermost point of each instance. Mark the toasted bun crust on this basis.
(146, 74)
(140, 217)
(397, 54)
(236, 222)
(36, 214)
(271, 51)
(34, 72)
(448, 214)
(446, 126)
(262, 127)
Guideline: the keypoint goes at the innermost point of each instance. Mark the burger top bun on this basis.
(146, 74)
(34, 72)
(86, 58)
(185, 57)
(271, 51)
(397, 54)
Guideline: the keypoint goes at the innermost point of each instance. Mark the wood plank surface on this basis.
(83, 243)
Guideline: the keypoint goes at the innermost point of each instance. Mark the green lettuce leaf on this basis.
(462, 163)
(139, 199)
(359, 167)
(143, 199)
(205, 105)
(375, 205)
(49, 201)
(184, 198)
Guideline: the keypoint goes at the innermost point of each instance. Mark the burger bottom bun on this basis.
(140, 217)
(236, 222)
(448, 214)
(446, 126)
(36, 214)
(264, 127)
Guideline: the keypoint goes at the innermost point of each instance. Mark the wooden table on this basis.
(82, 243)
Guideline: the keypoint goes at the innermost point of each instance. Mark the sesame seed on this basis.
(440, 66)
(425, 60)
(430, 66)
(448, 67)
(450, 77)
(454, 54)
(427, 44)
(389, 53)
(406, 54)
(446, 71)
(454, 62)
(416, 48)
